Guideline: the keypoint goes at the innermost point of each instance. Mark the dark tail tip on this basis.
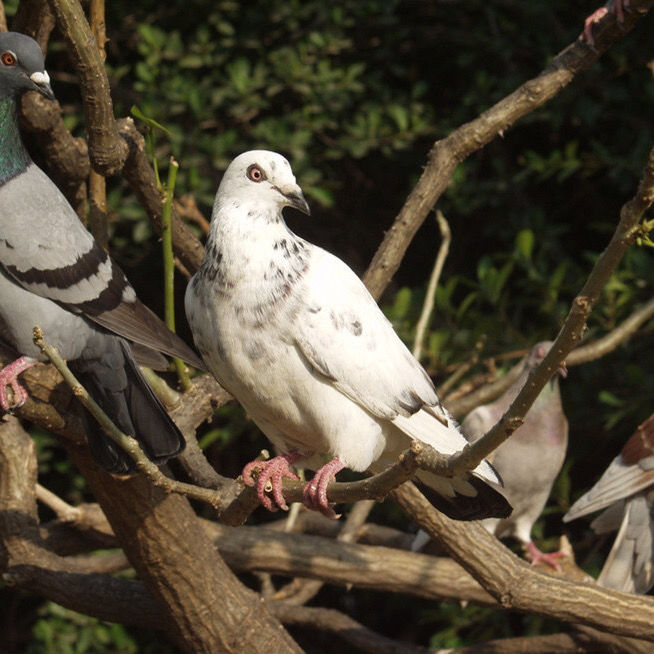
(488, 503)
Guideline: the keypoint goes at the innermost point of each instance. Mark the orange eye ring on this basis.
(255, 173)
(8, 59)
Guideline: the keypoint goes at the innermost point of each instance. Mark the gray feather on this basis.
(626, 492)
(55, 275)
(529, 461)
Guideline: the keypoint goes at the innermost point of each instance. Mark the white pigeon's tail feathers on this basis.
(472, 496)
(480, 499)
(447, 439)
(117, 385)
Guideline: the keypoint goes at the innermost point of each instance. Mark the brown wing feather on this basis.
(641, 443)
(135, 322)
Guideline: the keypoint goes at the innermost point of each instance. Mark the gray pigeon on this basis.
(530, 459)
(627, 489)
(295, 336)
(55, 275)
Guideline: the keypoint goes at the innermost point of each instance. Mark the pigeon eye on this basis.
(255, 173)
(8, 59)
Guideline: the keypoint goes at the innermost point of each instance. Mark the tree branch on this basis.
(625, 235)
(518, 586)
(449, 152)
(603, 346)
(342, 625)
(106, 149)
(425, 314)
(141, 178)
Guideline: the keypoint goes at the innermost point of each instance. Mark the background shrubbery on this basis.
(354, 94)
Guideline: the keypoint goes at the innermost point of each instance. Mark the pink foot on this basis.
(315, 492)
(8, 377)
(536, 556)
(617, 7)
(274, 470)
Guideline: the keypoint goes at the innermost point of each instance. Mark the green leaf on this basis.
(150, 122)
(467, 301)
(524, 243)
(400, 115)
(321, 195)
(610, 399)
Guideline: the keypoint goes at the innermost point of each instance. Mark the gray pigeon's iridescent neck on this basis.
(13, 155)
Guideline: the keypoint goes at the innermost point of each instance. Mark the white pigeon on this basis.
(295, 336)
(626, 491)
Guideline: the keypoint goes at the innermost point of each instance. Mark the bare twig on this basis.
(460, 406)
(63, 510)
(3, 17)
(300, 591)
(97, 184)
(140, 176)
(448, 153)
(127, 443)
(486, 393)
(450, 382)
(625, 235)
(428, 306)
(169, 266)
(34, 18)
(602, 346)
(577, 642)
(170, 397)
(188, 208)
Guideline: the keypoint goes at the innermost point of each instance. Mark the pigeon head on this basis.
(538, 353)
(22, 67)
(264, 178)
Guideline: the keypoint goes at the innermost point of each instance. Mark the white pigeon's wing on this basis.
(60, 260)
(344, 336)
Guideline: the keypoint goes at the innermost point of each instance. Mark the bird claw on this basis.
(269, 478)
(616, 8)
(535, 556)
(315, 491)
(8, 377)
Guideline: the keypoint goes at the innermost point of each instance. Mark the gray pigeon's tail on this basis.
(114, 381)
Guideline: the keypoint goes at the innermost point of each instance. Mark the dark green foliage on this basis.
(354, 93)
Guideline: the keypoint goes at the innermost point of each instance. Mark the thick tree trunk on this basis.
(209, 608)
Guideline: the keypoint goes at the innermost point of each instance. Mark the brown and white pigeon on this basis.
(627, 489)
(530, 460)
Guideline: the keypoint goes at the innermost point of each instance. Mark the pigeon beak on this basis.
(296, 199)
(41, 81)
